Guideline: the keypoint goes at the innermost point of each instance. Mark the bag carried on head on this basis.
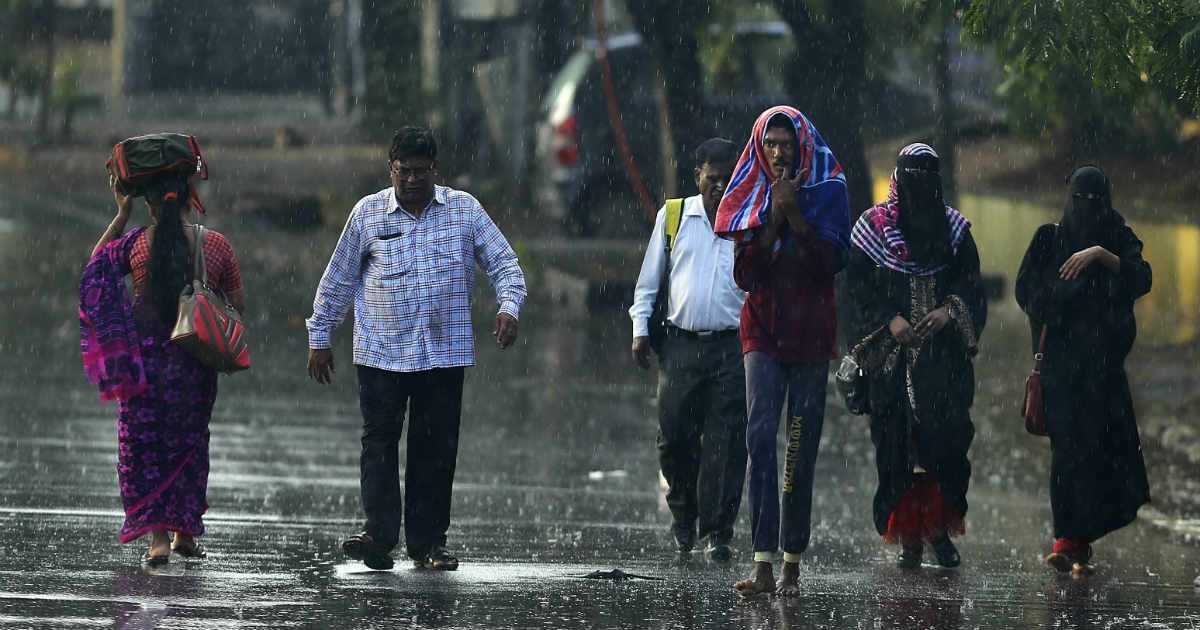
(208, 328)
(135, 161)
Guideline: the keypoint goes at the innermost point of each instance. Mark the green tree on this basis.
(1173, 31)
(1088, 72)
(67, 99)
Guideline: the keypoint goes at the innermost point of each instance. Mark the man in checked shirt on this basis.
(406, 261)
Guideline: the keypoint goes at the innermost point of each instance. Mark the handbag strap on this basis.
(1041, 352)
(199, 269)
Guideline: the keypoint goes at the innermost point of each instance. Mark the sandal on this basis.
(363, 547)
(437, 559)
(154, 562)
(193, 551)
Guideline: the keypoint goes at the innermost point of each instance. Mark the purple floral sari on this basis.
(166, 399)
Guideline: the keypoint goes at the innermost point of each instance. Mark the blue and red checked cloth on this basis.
(747, 202)
(411, 280)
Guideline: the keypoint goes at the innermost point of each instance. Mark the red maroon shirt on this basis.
(790, 312)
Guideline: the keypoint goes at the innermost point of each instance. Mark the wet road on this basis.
(556, 478)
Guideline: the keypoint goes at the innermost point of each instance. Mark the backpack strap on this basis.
(674, 217)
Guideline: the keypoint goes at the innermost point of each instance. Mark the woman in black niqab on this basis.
(1079, 280)
(922, 211)
(916, 309)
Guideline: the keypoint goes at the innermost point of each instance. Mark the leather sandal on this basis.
(439, 560)
(363, 547)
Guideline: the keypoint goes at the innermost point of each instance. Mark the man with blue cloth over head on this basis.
(787, 211)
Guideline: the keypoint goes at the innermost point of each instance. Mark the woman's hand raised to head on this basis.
(124, 201)
(124, 206)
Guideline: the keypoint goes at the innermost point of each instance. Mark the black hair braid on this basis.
(170, 268)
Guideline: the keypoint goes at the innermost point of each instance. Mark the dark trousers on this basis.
(433, 400)
(768, 385)
(702, 435)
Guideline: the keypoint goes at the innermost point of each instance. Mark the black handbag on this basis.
(852, 379)
(853, 385)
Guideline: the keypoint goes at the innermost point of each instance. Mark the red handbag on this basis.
(208, 328)
(1034, 408)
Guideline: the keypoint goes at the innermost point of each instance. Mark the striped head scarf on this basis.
(747, 201)
(879, 234)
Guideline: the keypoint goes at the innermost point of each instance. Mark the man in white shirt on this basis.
(701, 384)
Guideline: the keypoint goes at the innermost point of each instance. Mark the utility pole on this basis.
(43, 115)
(431, 18)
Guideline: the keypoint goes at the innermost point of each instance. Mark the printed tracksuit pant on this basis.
(768, 385)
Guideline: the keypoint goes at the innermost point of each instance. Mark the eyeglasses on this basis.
(1087, 195)
(415, 173)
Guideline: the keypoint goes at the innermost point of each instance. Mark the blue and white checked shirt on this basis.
(411, 281)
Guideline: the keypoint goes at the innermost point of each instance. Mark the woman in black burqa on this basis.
(917, 310)
(1079, 279)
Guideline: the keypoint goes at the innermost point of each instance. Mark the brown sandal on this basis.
(439, 560)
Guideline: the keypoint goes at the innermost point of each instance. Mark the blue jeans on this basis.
(768, 385)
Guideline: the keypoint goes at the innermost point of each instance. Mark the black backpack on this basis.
(135, 161)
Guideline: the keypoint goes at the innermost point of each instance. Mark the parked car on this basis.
(581, 180)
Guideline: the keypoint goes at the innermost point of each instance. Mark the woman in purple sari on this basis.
(166, 396)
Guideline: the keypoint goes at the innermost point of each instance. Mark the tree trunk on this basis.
(827, 83)
(43, 115)
(947, 135)
(668, 28)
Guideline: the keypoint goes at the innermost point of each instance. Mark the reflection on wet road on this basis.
(533, 512)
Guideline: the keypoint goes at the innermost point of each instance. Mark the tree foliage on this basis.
(1090, 70)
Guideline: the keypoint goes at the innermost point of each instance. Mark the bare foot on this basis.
(160, 544)
(182, 540)
(762, 580)
(186, 546)
(789, 580)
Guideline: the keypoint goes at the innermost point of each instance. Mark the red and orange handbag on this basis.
(208, 328)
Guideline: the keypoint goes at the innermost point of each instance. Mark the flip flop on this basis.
(193, 551)
(154, 562)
